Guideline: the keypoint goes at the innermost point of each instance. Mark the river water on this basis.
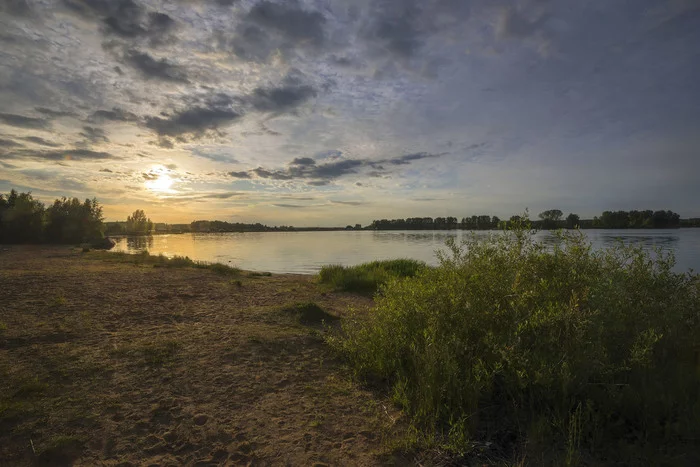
(306, 252)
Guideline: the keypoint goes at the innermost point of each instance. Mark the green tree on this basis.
(572, 221)
(70, 221)
(21, 218)
(138, 223)
(550, 218)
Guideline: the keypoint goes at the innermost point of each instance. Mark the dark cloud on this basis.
(289, 19)
(94, 135)
(284, 98)
(194, 122)
(290, 206)
(270, 27)
(239, 174)
(152, 68)
(396, 27)
(15, 7)
(125, 19)
(221, 195)
(114, 115)
(322, 174)
(106, 170)
(21, 121)
(171, 166)
(150, 176)
(54, 113)
(62, 155)
(6, 143)
(303, 161)
(408, 158)
(41, 141)
(349, 203)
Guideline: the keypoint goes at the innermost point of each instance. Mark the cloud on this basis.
(41, 141)
(54, 113)
(303, 161)
(106, 170)
(289, 19)
(396, 27)
(15, 7)
(408, 158)
(125, 19)
(349, 203)
(290, 206)
(239, 174)
(6, 143)
(282, 98)
(21, 121)
(114, 115)
(61, 155)
(194, 121)
(152, 68)
(322, 174)
(94, 135)
(269, 28)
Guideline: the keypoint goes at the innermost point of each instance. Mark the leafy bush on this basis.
(564, 350)
(368, 277)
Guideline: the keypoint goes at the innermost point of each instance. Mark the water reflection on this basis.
(306, 252)
(140, 243)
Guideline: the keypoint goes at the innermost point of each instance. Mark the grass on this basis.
(157, 353)
(367, 278)
(162, 261)
(309, 313)
(558, 355)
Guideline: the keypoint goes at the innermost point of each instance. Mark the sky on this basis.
(335, 112)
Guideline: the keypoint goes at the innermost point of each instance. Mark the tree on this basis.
(138, 223)
(572, 221)
(70, 221)
(21, 218)
(550, 218)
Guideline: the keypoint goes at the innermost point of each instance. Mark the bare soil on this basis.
(111, 363)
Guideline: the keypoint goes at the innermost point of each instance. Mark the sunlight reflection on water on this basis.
(306, 252)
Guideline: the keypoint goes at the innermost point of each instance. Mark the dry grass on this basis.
(114, 361)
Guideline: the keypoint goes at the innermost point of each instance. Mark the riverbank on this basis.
(120, 363)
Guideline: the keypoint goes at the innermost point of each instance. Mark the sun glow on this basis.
(161, 184)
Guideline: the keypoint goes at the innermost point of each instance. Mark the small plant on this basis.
(3, 326)
(224, 270)
(368, 277)
(59, 300)
(259, 274)
(309, 313)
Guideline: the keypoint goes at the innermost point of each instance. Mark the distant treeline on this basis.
(222, 226)
(26, 220)
(550, 219)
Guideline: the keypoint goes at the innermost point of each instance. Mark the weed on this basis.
(259, 274)
(3, 326)
(368, 277)
(59, 300)
(309, 313)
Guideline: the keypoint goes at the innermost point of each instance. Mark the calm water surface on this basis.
(306, 252)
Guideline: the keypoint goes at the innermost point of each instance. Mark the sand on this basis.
(111, 363)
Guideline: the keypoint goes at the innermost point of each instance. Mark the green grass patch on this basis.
(259, 274)
(309, 313)
(557, 354)
(368, 277)
(162, 261)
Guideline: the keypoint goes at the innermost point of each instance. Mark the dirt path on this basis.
(121, 364)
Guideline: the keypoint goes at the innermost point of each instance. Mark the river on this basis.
(306, 252)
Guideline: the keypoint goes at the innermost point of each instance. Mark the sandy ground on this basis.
(108, 363)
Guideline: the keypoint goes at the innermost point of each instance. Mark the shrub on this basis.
(368, 277)
(562, 349)
(309, 313)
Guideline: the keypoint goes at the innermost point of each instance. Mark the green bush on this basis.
(567, 351)
(368, 277)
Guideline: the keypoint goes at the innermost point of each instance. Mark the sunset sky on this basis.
(334, 112)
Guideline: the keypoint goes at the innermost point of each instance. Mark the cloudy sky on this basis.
(329, 112)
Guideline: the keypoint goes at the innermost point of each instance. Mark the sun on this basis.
(161, 184)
